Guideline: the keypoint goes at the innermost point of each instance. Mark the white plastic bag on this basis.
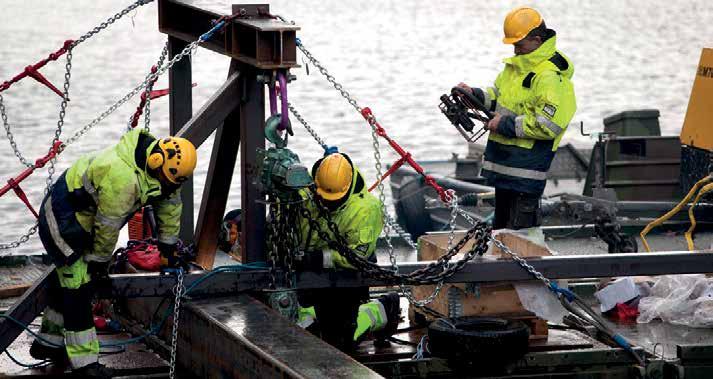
(679, 299)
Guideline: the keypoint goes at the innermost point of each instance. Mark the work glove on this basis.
(310, 261)
(170, 257)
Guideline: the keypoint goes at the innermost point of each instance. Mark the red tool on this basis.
(32, 70)
(14, 183)
(445, 195)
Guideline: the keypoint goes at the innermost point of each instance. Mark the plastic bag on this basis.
(679, 299)
(538, 299)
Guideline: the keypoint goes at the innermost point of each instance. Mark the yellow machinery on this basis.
(697, 132)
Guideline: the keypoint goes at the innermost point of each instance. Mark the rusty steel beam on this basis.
(252, 137)
(213, 113)
(180, 105)
(255, 38)
(220, 170)
(25, 310)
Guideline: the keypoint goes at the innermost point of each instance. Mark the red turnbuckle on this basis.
(32, 70)
(446, 196)
(14, 183)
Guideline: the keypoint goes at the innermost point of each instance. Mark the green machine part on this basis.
(281, 171)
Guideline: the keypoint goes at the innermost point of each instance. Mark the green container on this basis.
(644, 122)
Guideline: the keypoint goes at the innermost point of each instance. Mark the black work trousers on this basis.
(516, 210)
(336, 310)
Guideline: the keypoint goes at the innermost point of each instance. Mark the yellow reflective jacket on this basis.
(95, 197)
(535, 95)
(359, 219)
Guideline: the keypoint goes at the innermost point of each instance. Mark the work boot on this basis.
(93, 370)
(392, 305)
(43, 352)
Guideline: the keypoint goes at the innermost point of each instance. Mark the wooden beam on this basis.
(25, 310)
(220, 171)
(224, 101)
(181, 109)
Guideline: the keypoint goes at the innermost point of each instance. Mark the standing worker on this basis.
(343, 315)
(80, 220)
(533, 100)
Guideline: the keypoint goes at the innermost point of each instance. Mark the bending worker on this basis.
(343, 315)
(533, 100)
(79, 225)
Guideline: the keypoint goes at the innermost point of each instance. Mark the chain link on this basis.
(304, 123)
(188, 50)
(178, 291)
(147, 107)
(110, 21)
(11, 137)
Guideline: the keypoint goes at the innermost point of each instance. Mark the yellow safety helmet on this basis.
(333, 177)
(177, 159)
(519, 23)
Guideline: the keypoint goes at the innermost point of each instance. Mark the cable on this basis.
(28, 365)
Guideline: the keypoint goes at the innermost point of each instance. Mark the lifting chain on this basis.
(149, 88)
(431, 274)
(10, 137)
(282, 238)
(179, 290)
(110, 21)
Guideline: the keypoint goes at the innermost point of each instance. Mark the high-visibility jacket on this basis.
(535, 95)
(359, 219)
(90, 203)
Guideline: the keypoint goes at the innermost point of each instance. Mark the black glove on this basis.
(169, 255)
(310, 261)
(98, 270)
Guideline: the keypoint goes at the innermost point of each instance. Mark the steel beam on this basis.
(25, 310)
(240, 337)
(213, 113)
(220, 172)
(181, 109)
(252, 137)
(482, 270)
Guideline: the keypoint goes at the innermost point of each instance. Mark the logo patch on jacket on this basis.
(549, 110)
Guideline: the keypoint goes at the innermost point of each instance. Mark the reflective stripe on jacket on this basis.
(359, 219)
(99, 193)
(535, 95)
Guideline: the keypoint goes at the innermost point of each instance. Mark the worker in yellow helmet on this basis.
(80, 220)
(533, 100)
(343, 315)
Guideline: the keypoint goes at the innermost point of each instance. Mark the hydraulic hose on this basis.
(689, 233)
(673, 211)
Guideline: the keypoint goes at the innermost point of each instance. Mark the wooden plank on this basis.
(180, 105)
(491, 299)
(218, 179)
(13, 291)
(25, 310)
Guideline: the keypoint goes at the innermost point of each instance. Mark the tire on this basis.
(410, 207)
(478, 340)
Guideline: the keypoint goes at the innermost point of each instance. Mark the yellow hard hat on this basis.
(519, 22)
(333, 177)
(177, 159)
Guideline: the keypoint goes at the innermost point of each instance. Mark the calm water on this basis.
(397, 57)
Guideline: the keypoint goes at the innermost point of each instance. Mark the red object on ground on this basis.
(32, 72)
(445, 195)
(624, 313)
(100, 322)
(145, 257)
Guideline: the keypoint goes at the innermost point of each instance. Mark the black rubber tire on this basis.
(478, 340)
(410, 205)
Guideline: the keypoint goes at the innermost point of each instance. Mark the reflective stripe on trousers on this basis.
(82, 347)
